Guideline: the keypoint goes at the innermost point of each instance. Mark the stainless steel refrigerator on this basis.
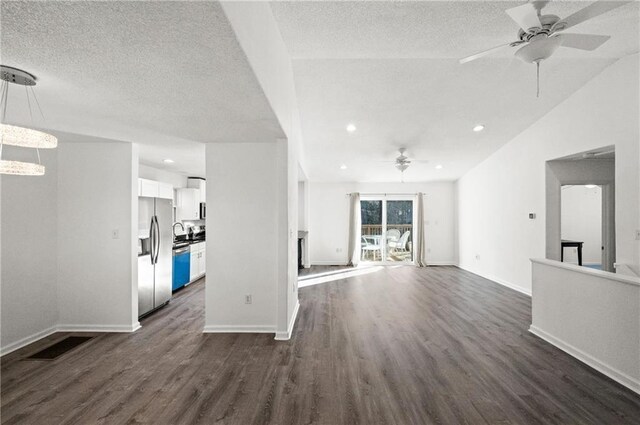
(155, 242)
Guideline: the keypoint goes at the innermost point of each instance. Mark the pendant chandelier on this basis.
(20, 136)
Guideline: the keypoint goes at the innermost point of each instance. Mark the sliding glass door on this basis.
(387, 230)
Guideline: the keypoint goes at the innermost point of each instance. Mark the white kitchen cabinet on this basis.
(147, 188)
(188, 204)
(154, 189)
(165, 191)
(203, 260)
(199, 184)
(198, 260)
(194, 265)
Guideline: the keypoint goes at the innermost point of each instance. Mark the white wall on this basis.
(97, 194)
(301, 207)
(329, 218)
(174, 179)
(496, 237)
(581, 220)
(242, 255)
(592, 315)
(260, 38)
(29, 262)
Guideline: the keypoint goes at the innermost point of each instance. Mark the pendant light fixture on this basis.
(20, 136)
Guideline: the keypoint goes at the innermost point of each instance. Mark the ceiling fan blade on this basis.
(488, 52)
(594, 9)
(525, 15)
(583, 41)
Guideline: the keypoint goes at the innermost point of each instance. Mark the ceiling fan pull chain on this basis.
(538, 79)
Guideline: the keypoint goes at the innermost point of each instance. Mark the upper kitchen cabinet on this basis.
(201, 185)
(154, 189)
(188, 204)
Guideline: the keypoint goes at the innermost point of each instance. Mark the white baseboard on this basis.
(441, 263)
(99, 328)
(285, 336)
(328, 263)
(66, 328)
(27, 340)
(239, 329)
(620, 377)
(497, 280)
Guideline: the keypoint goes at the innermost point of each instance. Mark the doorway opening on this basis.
(580, 219)
(387, 230)
(581, 225)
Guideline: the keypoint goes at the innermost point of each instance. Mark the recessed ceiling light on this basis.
(478, 128)
(438, 167)
(351, 128)
(168, 161)
(589, 186)
(343, 167)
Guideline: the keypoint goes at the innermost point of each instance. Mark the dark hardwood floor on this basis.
(396, 346)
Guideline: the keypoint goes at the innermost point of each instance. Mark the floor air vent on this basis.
(59, 348)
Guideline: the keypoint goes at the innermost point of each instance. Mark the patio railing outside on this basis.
(376, 229)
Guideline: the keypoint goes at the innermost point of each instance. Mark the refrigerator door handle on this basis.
(155, 219)
(152, 242)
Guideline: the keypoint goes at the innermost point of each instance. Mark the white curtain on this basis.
(419, 236)
(354, 229)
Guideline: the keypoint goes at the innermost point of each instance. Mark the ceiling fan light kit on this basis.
(542, 34)
(20, 136)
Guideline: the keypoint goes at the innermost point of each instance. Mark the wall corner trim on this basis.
(285, 336)
(620, 377)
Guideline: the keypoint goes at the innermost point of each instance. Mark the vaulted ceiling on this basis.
(392, 69)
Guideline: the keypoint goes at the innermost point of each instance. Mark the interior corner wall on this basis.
(28, 255)
(97, 202)
(242, 247)
(496, 236)
(329, 219)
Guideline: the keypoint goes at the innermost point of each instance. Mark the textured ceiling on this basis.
(391, 68)
(168, 75)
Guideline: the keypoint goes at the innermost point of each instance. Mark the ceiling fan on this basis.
(541, 35)
(402, 161)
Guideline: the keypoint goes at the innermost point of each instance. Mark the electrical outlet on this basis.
(478, 257)
(247, 299)
(115, 234)
(638, 235)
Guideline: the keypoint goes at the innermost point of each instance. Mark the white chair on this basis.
(369, 247)
(393, 235)
(400, 244)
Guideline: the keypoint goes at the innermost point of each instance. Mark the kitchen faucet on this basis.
(174, 228)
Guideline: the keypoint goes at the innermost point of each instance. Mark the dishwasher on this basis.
(181, 267)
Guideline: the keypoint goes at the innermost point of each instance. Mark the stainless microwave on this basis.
(203, 210)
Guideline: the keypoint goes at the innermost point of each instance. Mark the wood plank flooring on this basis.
(397, 346)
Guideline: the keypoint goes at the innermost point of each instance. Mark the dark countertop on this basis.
(182, 244)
